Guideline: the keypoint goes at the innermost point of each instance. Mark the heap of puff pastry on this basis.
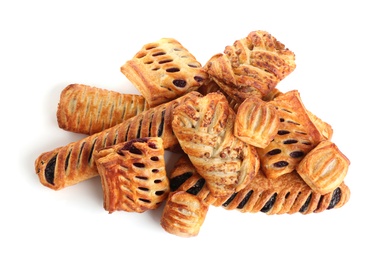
(243, 144)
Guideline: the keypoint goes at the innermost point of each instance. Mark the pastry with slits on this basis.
(164, 70)
(203, 126)
(88, 110)
(70, 164)
(253, 65)
(133, 175)
(288, 194)
(296, 136)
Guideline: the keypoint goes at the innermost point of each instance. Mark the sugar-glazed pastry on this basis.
(164, 70)
(324, 168)
(183, 214)
(133, 175)
(296, 136)
(288, 194)
(251, 66)
(88, 110)
(204, 128)
(256, 122)
(70, 164)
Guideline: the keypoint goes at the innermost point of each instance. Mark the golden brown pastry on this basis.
(256, 122)
(204, 128)
(164, 70)
(73, 163)
(296, 136)
(251, 66)
(183, 214)
(89, 110)
(324, 168)
(133, 175)
(287, 194)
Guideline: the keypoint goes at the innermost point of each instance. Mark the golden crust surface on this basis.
(133, 175)
(164, 70)
(204, 129)
(88, 110)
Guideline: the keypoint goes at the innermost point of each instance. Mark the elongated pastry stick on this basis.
(288, 194)
(204, 129)
(89, 110)
(73, 163)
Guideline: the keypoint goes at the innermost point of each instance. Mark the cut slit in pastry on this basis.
(133, 175)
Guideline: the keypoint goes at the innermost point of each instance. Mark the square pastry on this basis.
(164, 70)
(133, 175)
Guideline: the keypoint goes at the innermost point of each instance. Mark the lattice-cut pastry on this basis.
(204, 129)
(133, 175)
(73, 163)
(256, 122)
(296, 136)
(251, 66)
(164, 70)
(183, 214)
(287, 194)
(324, 167)
(89, 110)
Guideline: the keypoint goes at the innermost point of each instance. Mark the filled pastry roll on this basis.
(204, 128)
(164, 70)
(133, 175)
(73, 163)
(89, 110)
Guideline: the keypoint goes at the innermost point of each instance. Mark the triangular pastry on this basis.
(296, 136)
(133, 175)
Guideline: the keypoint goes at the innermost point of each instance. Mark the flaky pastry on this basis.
(164, 70)
(133, 175)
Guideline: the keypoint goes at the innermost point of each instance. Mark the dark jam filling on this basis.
(245, 200)
(306, 204)
(269, 204)
(177, 181)
(336, 197)
(49, 172)
(195, 189)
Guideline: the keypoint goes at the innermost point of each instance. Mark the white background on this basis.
(46, 45)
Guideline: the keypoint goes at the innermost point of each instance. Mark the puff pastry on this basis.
(133, 175)
(288, 194)
(296, 136)
(204, 128)
(324, 168)
(183, 214)
(73, 163)
(164, 70)
(88, 110)
(256, 122)
(251, 66)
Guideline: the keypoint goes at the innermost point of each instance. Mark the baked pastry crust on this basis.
(88, 110)
(204, 128)
(133, 175)
(256, 122)
(296, 136)
(324, 168)
(251, 66)
(183, 214)
(68, 165)
(164, 70)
